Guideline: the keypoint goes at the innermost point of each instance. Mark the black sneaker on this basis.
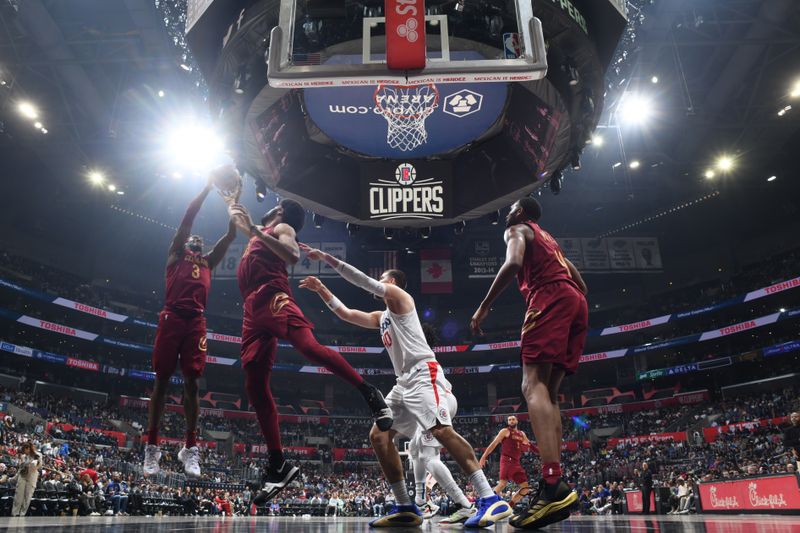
(551, 504)
(275, 481)
(380, 411)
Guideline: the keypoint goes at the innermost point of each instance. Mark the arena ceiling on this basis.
(724, 67)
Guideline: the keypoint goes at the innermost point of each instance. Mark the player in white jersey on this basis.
(422, 397)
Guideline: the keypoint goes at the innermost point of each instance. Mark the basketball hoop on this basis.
(405, 108)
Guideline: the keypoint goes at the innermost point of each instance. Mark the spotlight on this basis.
(795, 90)
(782, 309)
(186, 67)
(96, 177)
(352, 229)
(633, 165)
(635, 109)
(195, 146)
(784, 110)
(725, 163)
(261, 191)
(318, 220)
(44, 131)
(459, 227)
(597, 140)
(112, 187)
(556, 181)
(616, 165)
(494, 218)
(772, 178)
(654, 79)
(37, 125)
(459, 7)
(161, 94)
(121, 193)
(388, 233)
(177, 175)
(425, 232)
(28, 110)
(709, 174)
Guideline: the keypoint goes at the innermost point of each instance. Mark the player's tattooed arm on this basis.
(354, 316)
(179, 240)
(219, 250)
(494, 444)
(515, 238)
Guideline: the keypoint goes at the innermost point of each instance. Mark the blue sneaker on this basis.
(490, 511)
(400, 516)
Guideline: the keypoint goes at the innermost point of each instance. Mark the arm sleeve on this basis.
(359, 279)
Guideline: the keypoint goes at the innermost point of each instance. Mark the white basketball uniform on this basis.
(422, 396)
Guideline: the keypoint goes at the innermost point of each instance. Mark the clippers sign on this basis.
(766, 494)
(406, 191)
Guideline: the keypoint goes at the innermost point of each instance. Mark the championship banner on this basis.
(485, 259)
(229, 266)
(760, 495)
(648, 254)
(572, 250)
(595, 254)
(436, 271)
(621, 254)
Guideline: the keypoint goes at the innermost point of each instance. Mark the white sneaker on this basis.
(429, 510)
(152, 454)
(460, 516)
(109, 513)
(190, 457)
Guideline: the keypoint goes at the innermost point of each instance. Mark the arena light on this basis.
(597, 140)
(633, 165)
(388, 233)
(96, 177)
(784, 110)
(112, 187)
(635, 109)
(654, 80)
(616, 165)
(195, 146)
(261, 191)
(161, 94)
(44, 131)
(186, 67)
(425, 232)
(352, 229)
(38, 125)
(795, 92)
(318, 220)
(725, 163)
(772, 178)
(28, 110)
(709, 174)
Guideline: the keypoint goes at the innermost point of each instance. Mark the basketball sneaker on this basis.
(377, 404)
(490, 510)
(190, 457)
(429, 510)
(550, 505)
(274, 481)
(459, 516)
(400, 516)
(152, 454)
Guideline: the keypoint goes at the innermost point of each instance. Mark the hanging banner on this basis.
(648, 254)
(621, 254)
(485, 258)
(436, 271)
(337, 250)
(227, 268)
(595, 254)
(572, 250)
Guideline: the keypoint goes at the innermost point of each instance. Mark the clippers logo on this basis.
(463, 103)
(443, 414)
(406, 197)
(405, 174)
(408, 30)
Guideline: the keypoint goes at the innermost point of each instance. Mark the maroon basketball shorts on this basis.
(555, 326)
(268, 315)
(181, 339)
(511, 470)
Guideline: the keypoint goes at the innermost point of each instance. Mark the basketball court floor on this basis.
(577, 524)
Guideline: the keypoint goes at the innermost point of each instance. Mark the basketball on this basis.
(226, 178)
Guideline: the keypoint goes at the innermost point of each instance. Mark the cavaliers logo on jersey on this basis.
(203, 344)
(530, 319)
(278, 302)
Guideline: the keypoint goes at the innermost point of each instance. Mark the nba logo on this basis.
(511, 45)
(405, 174)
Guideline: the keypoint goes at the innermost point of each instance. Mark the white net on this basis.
(405, 108)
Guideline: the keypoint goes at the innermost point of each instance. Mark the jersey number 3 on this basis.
(196, 271)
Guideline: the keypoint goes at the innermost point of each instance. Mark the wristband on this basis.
(334, 303)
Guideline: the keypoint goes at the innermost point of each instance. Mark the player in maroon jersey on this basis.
(512, 443)
(553, 335)
(270, 313)
(181, 333)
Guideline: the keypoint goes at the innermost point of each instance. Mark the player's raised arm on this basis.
(219, 250)
(382, 290)
(354, 316)
(494, 444)
(515, 253)
(179, 240)
(284, 245)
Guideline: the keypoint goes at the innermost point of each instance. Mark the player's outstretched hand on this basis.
(477, 318)
(241, 217)
(311, 283)
(312, 253)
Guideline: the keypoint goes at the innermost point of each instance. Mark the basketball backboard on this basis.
(320, 43)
